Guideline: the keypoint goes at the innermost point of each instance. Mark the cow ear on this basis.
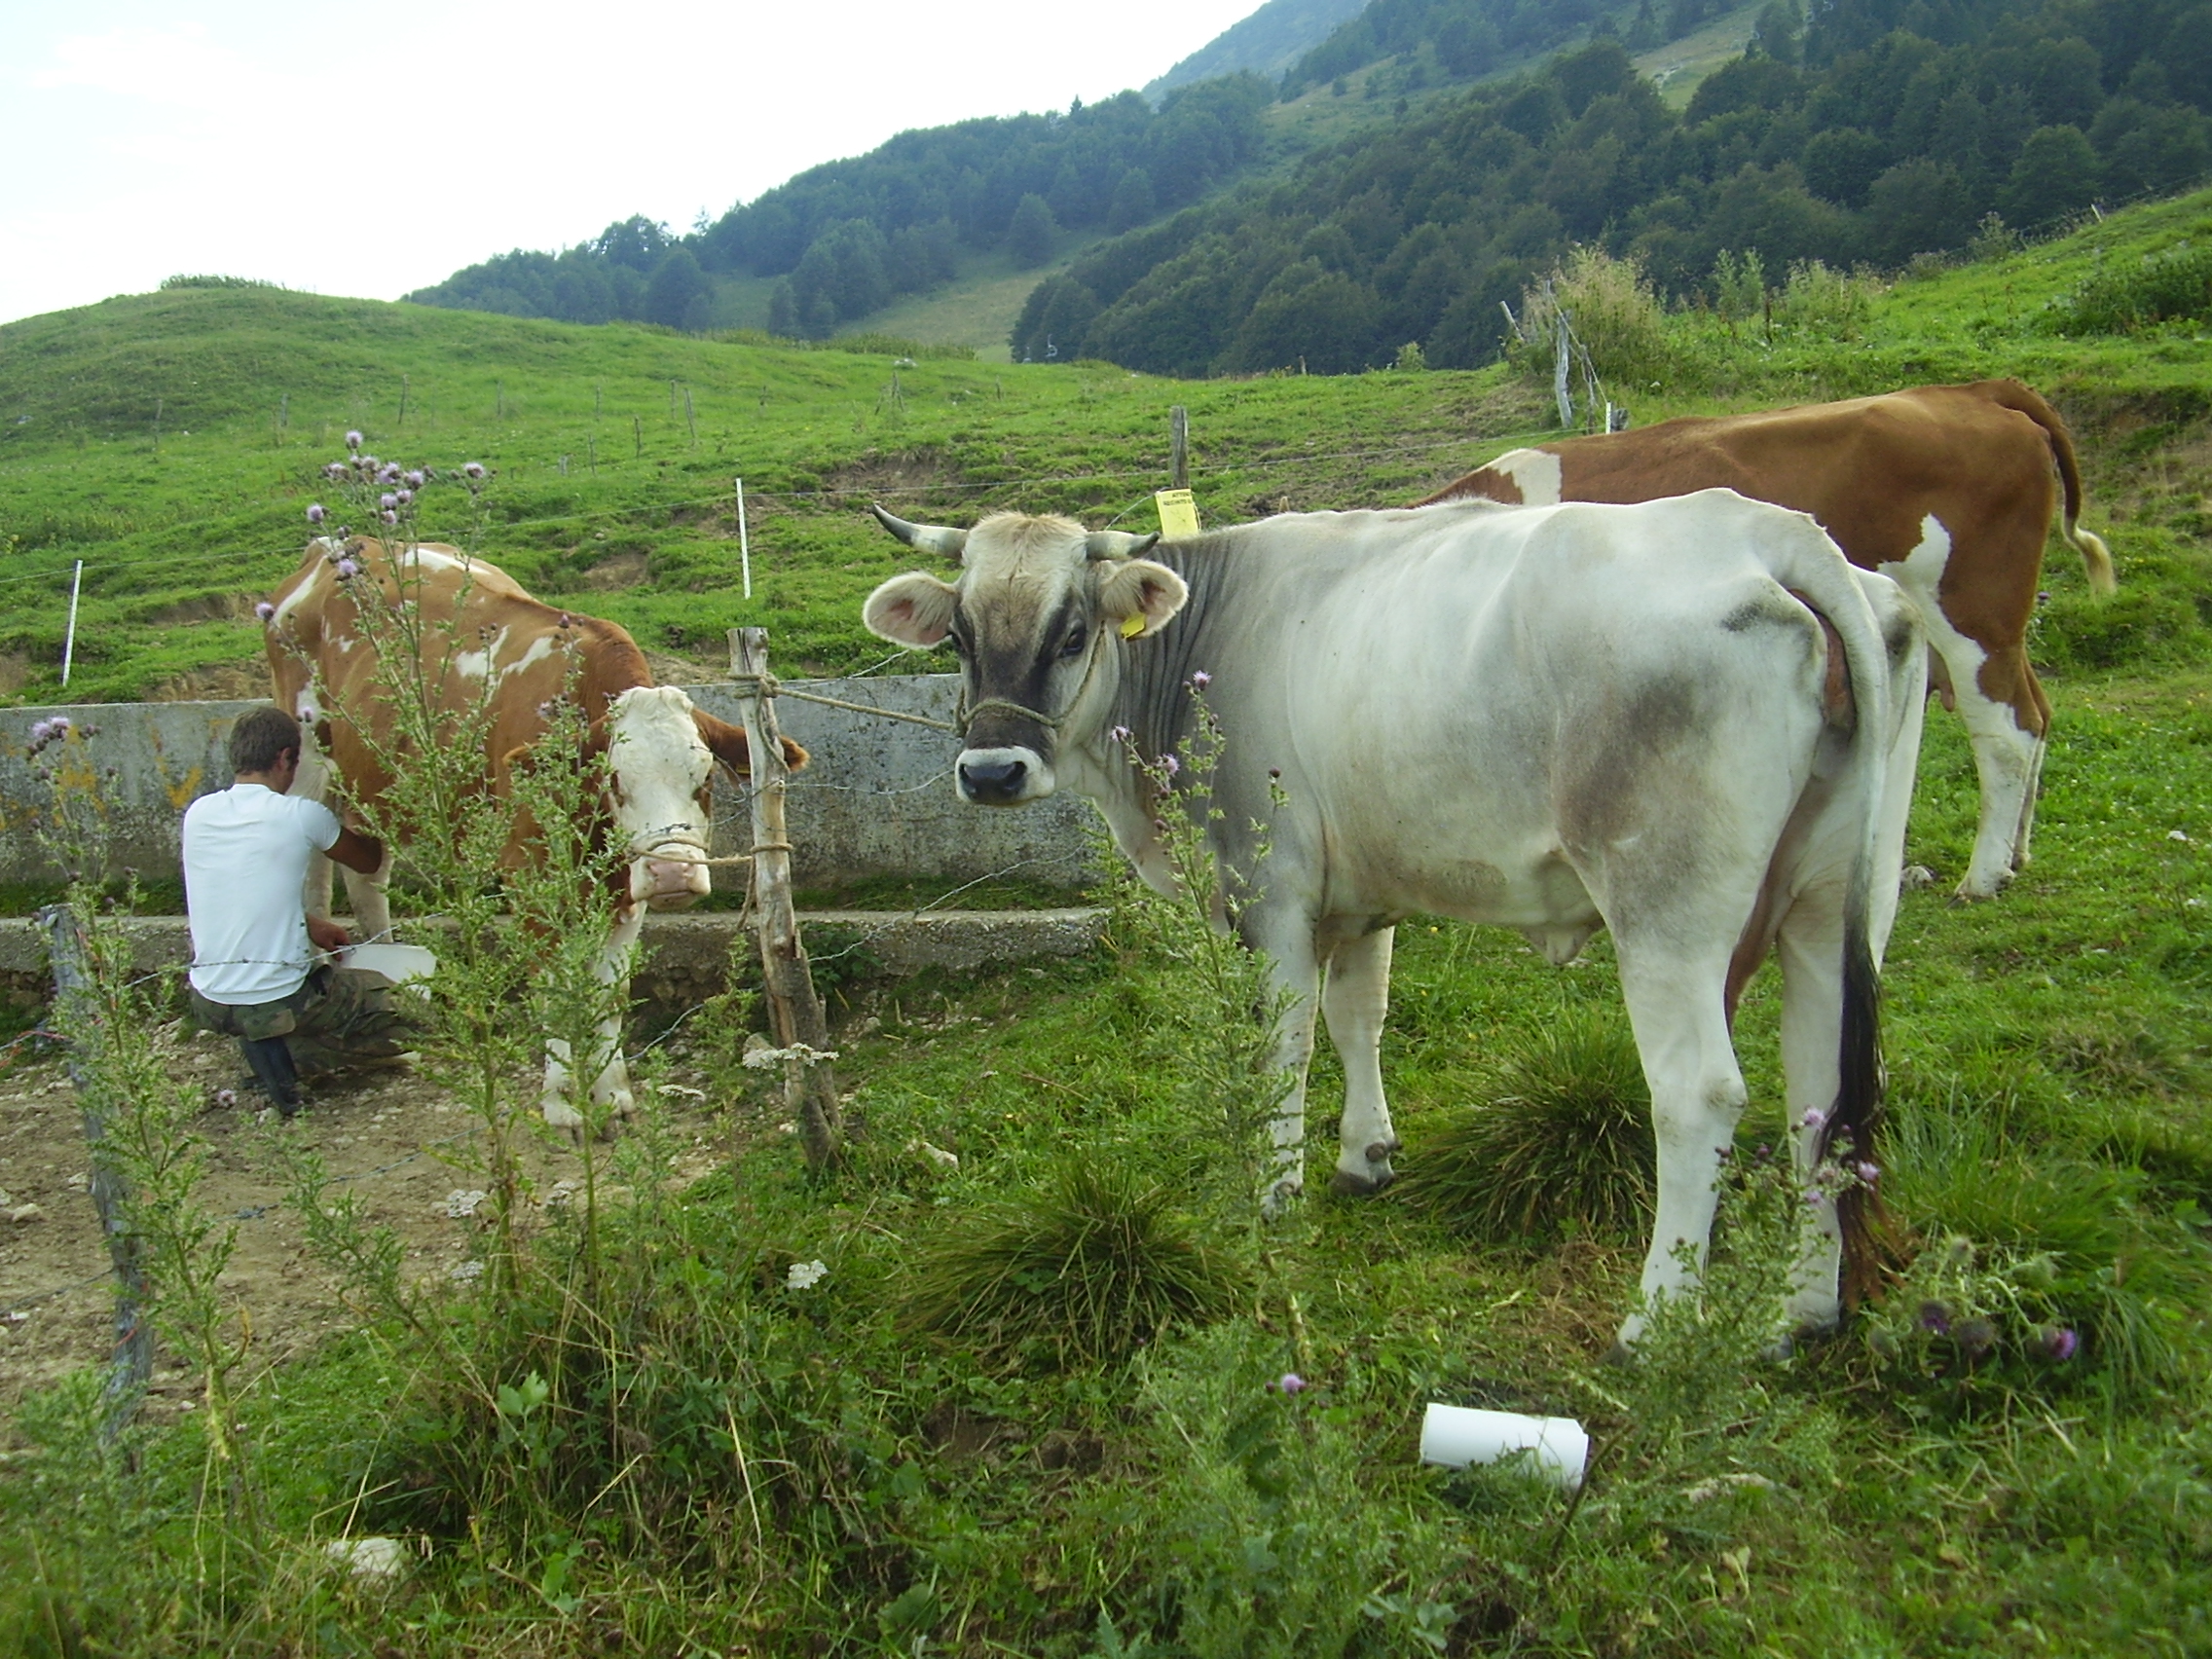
(728, 744)
(1140, 596)
(915, 610)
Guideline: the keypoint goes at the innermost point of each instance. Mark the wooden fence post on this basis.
(795, 1011)
(130, 1362)
(1179, 446)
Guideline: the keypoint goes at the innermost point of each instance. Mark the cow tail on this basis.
(1850, 1139)
(2096, 557)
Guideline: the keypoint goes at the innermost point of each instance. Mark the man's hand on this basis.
(326, 934)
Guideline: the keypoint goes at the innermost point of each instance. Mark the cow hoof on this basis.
(1353, 1184)
(1915, 877)
(1280, 1199)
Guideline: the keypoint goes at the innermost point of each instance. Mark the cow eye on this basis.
(1078, 636)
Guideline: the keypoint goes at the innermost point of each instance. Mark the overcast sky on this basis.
(372, 149)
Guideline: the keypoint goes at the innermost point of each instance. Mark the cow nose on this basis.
(677, 878)
(997, 779)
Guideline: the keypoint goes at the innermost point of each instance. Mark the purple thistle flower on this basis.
(568, 621)
(1812, 1119)
(1290, 1382)
(1869, 1173)
(387, 501)
(353, 441)
(347, 569)
(1976, 1336)
(475, 469)
(1170, 765)
(1202, 680)
(334, 471)
(388, 472)
(403, 495)
(226, 1097)
(1936, 1318)
(266, 611)
(1119, 734)
(388, 516)
(315, 512)
(416, 479)
(2059, 1342)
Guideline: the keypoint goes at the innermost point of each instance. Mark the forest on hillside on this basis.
(1875, 131)
(848, 237)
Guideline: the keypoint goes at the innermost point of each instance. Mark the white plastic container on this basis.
(398, 963)
(1457, 1436)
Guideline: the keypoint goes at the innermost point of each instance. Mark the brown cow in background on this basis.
(1947, 488)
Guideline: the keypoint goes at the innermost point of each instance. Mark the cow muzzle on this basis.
(671, 876)
(1002, 777)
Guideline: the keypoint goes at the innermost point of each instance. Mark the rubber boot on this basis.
(271, 1058)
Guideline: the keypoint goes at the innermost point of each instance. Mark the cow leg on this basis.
(1676, 1007)
(1356, 999)
(2000, 708)
(371, 899)
(1287, 939)
(611, 1086)
(312, 782)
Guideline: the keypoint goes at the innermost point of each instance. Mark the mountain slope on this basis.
(1878, 146)
(1267, 43)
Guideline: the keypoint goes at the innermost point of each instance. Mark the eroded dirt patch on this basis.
(392, 1136)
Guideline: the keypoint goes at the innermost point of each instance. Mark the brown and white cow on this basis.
(1945, 488)
(661, 749)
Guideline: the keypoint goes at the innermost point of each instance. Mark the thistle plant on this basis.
(147, 1163)
(1227, 1079)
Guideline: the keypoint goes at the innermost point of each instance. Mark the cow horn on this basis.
(1117, 545)
(929, 538)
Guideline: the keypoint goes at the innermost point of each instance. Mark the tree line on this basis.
(1873, 131)
(848, 237)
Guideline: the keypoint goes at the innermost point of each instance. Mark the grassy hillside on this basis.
(603, 490)
(183, 523)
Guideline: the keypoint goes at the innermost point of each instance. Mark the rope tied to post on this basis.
(768, 686)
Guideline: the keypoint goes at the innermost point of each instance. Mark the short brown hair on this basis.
(261, 738)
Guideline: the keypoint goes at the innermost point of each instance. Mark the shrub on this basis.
(1081, 1272)
(2165, 287)
(1566, 1143)
(1824, 303)
(1613, 312)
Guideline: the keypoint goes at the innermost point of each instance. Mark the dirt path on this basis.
(402, 1143)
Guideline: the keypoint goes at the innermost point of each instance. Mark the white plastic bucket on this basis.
(1457, 1436)
(398, 963)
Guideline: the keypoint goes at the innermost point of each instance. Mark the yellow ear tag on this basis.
(1131, 627)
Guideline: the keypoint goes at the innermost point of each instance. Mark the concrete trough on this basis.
(877, 800)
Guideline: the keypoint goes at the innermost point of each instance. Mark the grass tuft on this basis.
(1082, 1272)
(1565, 1145)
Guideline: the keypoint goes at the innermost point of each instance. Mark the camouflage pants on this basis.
(339, 1017)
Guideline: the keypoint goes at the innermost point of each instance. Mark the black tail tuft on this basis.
(1851, 1135)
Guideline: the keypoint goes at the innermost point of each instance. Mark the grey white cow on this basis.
(1688, 720)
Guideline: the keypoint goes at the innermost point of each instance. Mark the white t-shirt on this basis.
(245, 858)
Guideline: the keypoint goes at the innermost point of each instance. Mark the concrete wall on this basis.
(877, 800)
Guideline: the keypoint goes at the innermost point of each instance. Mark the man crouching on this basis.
(254, 974)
